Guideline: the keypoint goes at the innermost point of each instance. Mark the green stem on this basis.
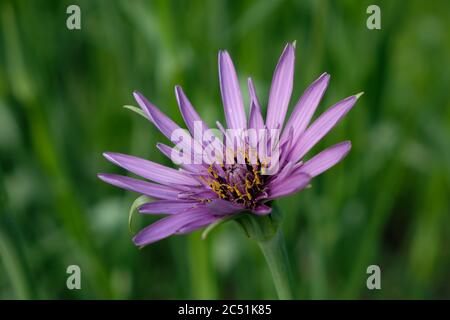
(264, 230)
(274, 251)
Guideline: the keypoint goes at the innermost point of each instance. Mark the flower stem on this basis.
(264, 230)
(274, 251)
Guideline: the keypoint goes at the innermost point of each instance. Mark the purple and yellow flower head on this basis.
(242, 168)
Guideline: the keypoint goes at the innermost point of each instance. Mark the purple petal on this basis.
(166, 125)
(170, 225)
(150, 170)
(284, 172)
(146, 188)
(306, 106)
(255, 120)
(262, 209)
(167, 151)
(167, 206)
(223, 207)
(197, 193)
(286, 147)
(321, 127)
(281, 89)
(293, 183)
(326, 159)
(188, 112)
(225, 136)
(197, 224)
(231, 93)
(158, 118)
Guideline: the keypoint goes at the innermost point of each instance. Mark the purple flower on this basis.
(201, 193)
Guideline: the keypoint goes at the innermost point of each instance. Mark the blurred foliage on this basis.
(61, 94)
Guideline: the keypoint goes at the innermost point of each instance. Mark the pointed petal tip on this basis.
(160, 147)
(231, 93)
(109, 155)
(139, 97)
(140, 240)
(224, 58)
(178, 90)
(112, 157)
(323, 80)
(326, 159)
(221, 54)
(143, 103)
(107, 177)
(137, 241)
(347, 143)
(357, 96)
(325, 75)
(281, 88)
(137, 94)
(110, 178)
(102, 176)
(289, 48)
(346, 146)
(178, 94)
(141, 100)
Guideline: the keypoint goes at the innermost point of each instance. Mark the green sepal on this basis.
(134, 206)
(136, 109)
(261, 228)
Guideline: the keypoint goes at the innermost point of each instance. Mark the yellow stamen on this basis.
(237, 192)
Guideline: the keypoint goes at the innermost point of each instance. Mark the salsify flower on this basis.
(201, 193)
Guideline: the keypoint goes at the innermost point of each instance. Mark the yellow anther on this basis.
(212, 171)
(237, 192)
(257, 180)
(230, 188)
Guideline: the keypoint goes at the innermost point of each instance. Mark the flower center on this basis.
(239, 183)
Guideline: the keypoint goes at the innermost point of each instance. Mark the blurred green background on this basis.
(61, 93)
